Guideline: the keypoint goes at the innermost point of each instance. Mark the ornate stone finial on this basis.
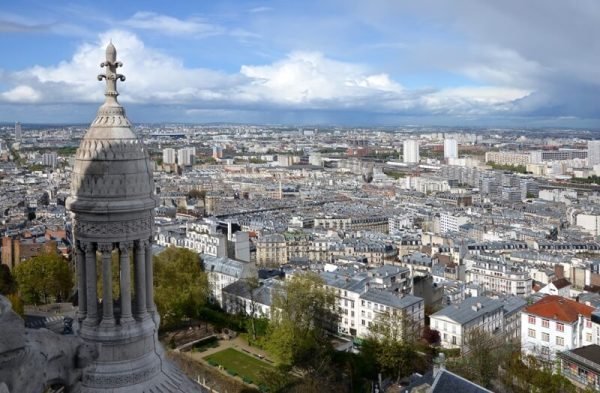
(111, 74)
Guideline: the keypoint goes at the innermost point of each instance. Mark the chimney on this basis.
(439, 364)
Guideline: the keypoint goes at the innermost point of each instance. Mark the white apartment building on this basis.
(593, 156)
(410, 151)
(222, 271)
(185, 156)
(451, 222)
(507, 158)
(456, 321)
(169, 156)
(204, 239)
(365, 295)
(450, 148)
(589, 222)
(554, 324)
(50, 159)
(497, 275)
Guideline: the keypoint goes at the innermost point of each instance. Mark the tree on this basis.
(43, 278)
(253, 285)
(7, 281)
(302, 313)
(392, 343)
(523, 375)
(180, 285)
(431, 336)
(482, 356)
(17, 304)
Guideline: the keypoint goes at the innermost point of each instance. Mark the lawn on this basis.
(246, 366)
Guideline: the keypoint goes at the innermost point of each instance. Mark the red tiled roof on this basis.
(559, 308)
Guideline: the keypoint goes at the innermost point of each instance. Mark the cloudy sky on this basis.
(370, 62)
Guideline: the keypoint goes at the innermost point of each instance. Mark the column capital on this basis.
(88, 246)
(125, 246)
(105, 247)
(142, 243)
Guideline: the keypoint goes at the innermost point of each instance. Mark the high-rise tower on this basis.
(112, 205)
(450, 148)
(410, 151)
(18, 132)
(593, 150)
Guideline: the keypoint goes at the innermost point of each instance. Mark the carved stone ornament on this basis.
(114, 229)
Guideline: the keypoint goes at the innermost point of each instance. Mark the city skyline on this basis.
(347, 63)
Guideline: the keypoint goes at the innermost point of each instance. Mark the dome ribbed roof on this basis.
(112, 172)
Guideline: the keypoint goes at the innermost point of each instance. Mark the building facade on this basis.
(555, 324)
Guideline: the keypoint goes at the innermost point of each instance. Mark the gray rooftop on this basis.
(390, 299)
(467, 311)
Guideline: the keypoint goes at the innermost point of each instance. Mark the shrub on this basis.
(247, 380)
(231, 372)
(213, 363)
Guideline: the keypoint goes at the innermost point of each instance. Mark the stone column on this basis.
(81, 288)
(149, 278)
(91, 284)
(125, 283)
(108, 318)
(140, 279)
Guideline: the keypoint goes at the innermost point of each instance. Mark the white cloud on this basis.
(21, 94)
(309, 78)
(302, 80)
(172, 26)
(256, 10)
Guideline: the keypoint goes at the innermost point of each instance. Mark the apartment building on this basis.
(554, 324)
(223, 271)
(363, 296)
(456, 321)
(498, 275)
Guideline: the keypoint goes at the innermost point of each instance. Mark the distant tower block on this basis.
(450, 148)
(593, 153)
(112, 204)
(410, 151)
(18, 132)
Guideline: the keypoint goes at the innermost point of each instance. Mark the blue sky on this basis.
(376, 62)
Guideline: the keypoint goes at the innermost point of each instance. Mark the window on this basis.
(531, 333)
(545, 337)
(588, 337)
(588, 324)
(560, 327)
(532, 319)
(545, 323)
(560, 341)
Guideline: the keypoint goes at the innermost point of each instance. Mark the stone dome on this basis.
(112, 176)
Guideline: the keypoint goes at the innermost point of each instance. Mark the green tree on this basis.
(483, 356)
(180, 285)
(302, 313)
(253, 285)
(392, 343)
(7, 281)
(197, 194)
(524, 375)
(17, 303)
(44, 278)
